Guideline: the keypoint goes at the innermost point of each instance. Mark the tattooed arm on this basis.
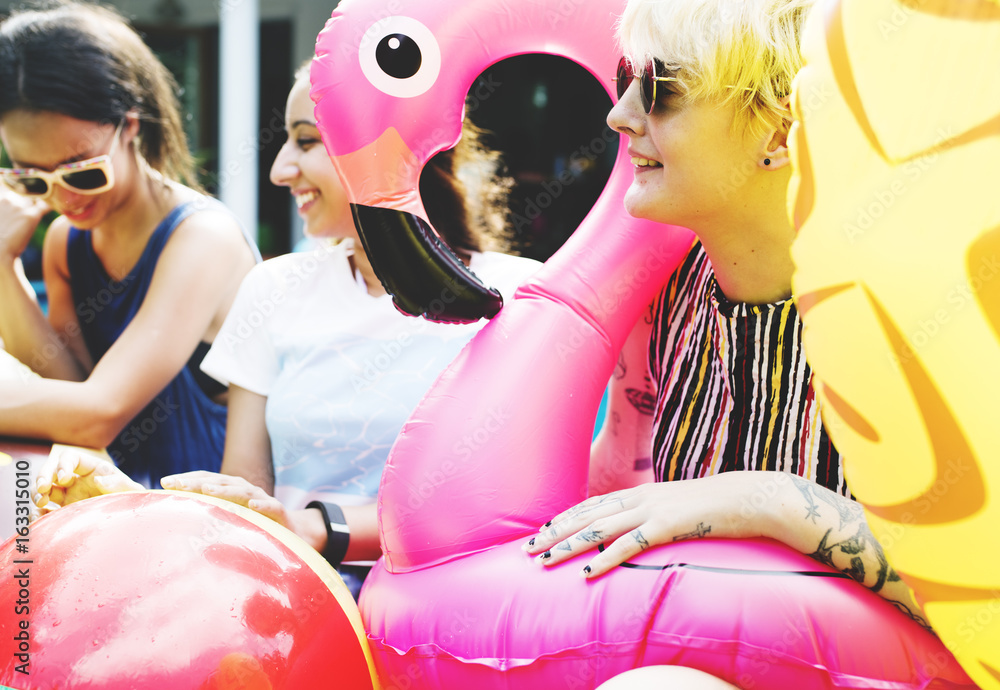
(797, 512)
(620, 456)
(833, 530)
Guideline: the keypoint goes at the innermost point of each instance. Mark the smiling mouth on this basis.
(77, 212)
(303, 199)
(645, 163)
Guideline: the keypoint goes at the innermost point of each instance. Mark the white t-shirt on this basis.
(341, 370)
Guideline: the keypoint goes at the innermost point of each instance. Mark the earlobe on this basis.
(775, 159)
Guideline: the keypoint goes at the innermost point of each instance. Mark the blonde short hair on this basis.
(744, 52)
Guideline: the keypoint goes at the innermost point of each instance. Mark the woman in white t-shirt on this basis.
(322, 369)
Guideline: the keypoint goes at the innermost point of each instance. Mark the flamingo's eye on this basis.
(400, 57)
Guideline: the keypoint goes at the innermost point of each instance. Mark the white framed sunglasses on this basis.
(91, 176)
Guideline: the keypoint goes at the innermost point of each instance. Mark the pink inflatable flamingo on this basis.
(501, 442)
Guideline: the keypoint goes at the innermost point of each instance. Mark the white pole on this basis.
(239, 104)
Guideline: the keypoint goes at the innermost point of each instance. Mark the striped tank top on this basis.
(734, 390)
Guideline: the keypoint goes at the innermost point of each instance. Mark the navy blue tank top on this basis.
(182, 429)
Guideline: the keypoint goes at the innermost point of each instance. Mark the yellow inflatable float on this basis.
(897, 202)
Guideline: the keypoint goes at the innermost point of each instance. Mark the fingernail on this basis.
(210, 489)
(168, 483)
(586, 570)
(532, 542)
(545, 556)
(547, 524)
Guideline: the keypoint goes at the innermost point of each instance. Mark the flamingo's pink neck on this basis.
(501, 442)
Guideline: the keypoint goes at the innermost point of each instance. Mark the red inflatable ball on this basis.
(173, 590)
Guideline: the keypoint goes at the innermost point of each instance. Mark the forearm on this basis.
(62, 411)
(27, 334)
(362, 521)
(619, 463)
(832, 529)
(620, 457)
(23, 279)
(248, 445)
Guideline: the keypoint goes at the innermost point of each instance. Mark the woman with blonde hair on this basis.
(713, 392)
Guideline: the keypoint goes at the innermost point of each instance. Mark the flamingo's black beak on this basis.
(419, 270)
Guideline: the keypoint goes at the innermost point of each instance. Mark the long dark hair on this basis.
(84, 60)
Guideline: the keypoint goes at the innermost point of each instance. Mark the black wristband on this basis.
(338, 536)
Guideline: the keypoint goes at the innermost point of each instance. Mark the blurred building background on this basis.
(234, 61)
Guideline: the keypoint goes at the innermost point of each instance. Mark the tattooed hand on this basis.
(846, 543)
(807, 517)
(630, 521)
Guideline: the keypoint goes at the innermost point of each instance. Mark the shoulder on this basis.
(299, 270)
(695, 266)
(310, 265)
(688, 280)
(212, 225)
(503, 271)
(206, 250)
(55, 245)
(685, 302)
(58, 233)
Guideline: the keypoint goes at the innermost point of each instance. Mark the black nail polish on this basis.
(546, 555)
(586, 570)
(532, 542)
(548, 524)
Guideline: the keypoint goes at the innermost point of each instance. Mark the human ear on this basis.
(131, 129)
(773, 150)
